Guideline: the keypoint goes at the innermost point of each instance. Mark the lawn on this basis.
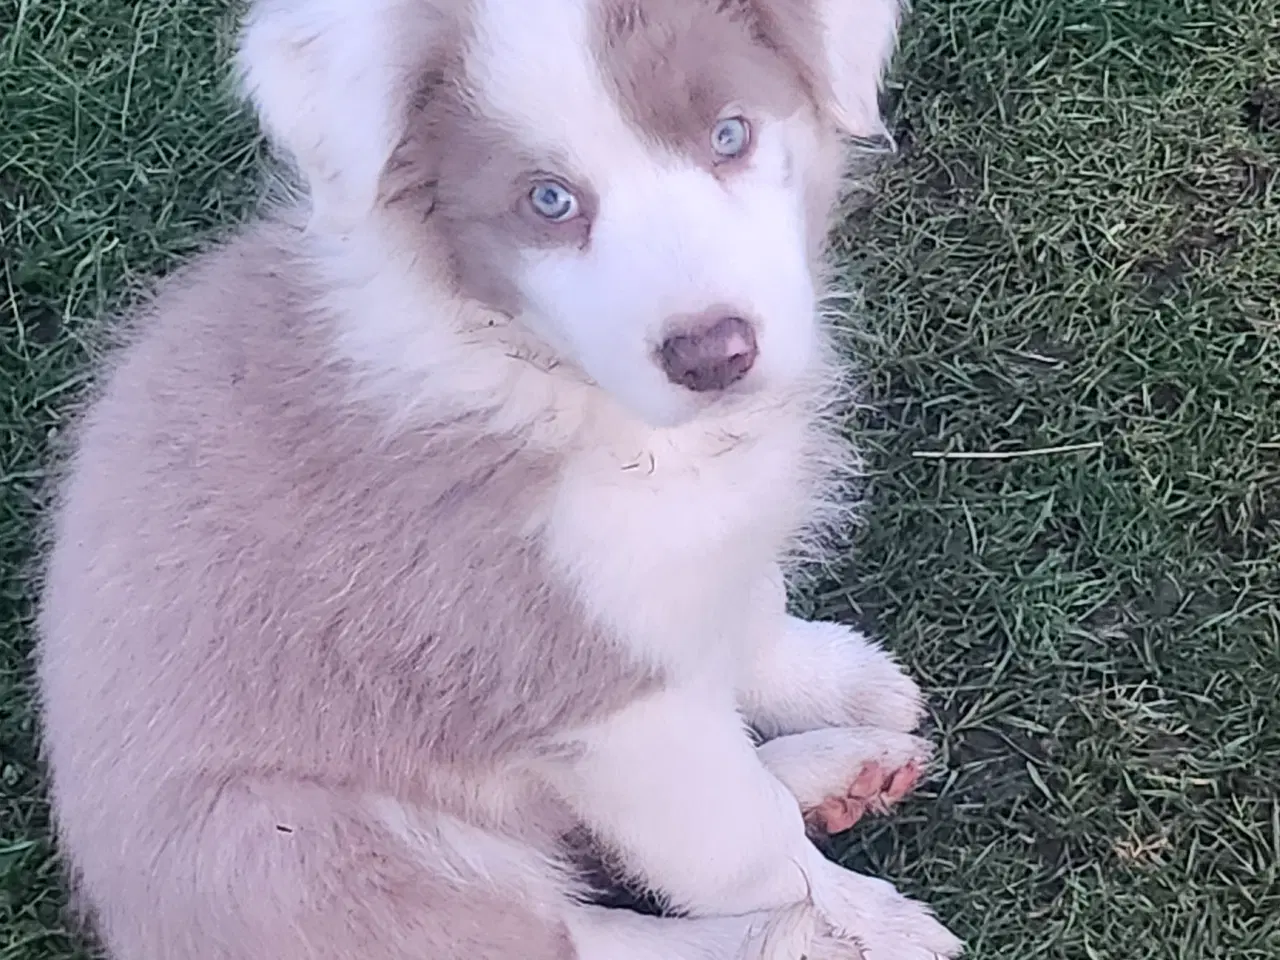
(1070, 335)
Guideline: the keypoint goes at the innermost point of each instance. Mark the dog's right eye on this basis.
(553, 201)
(730, 137)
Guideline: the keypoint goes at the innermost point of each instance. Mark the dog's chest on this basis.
(668, 550)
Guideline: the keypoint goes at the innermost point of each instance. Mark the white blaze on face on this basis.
(669, 238)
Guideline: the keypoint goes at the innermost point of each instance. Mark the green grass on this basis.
(1078, 246)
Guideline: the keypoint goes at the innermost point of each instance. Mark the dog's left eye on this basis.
(553, 201)
(730, 137)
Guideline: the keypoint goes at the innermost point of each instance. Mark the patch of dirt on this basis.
(1163, 598)
(43, 323)
(1160, 275)
(1238, 181)
(10, 191)
(974, 745)
(1256, 177)
(1248, 540)
(991, 766)
(955, 177)
(35, 305)
(9, 197)
(1203, 238)
(1061, 533)
(1162, 752)
(1059, 850)
(1166, 398)
(905, 134)
(1261, 109)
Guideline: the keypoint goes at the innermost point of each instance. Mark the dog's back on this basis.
(246, 568)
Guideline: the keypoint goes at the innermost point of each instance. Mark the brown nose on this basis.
(710, 356)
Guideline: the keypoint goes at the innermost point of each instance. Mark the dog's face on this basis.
(643, 184)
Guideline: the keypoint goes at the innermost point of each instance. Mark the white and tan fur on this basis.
(392, 552)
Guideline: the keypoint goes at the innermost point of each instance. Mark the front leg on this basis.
(675, 788)
(801, 675)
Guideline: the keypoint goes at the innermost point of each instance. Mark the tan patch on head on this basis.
(677, 65)
(673, 68)
(468, 177)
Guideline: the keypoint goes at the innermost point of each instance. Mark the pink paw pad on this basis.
(874, 790)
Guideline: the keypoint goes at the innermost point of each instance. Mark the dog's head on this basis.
(643, 184)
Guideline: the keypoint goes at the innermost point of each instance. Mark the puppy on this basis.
(446, 513)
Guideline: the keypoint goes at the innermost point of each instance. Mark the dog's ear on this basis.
(860, 37)
(843, 48)
(332, 82)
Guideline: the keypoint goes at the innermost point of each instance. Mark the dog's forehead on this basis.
(532, 64)
(675, 66)
(619, 77)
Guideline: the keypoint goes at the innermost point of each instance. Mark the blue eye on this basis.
(730, 137)
(552, 201)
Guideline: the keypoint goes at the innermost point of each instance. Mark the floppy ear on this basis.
(331, 81)
(842, 48)
(859, 37)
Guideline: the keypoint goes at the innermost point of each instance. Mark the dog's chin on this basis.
(675, 407)
(657, 412)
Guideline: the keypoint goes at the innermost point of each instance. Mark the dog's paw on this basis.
(874, 791)
(871, 686)
(880, 920)
(839, 775)
(812, 674)
(799, 933)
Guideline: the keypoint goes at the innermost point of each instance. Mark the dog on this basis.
(450, 509)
